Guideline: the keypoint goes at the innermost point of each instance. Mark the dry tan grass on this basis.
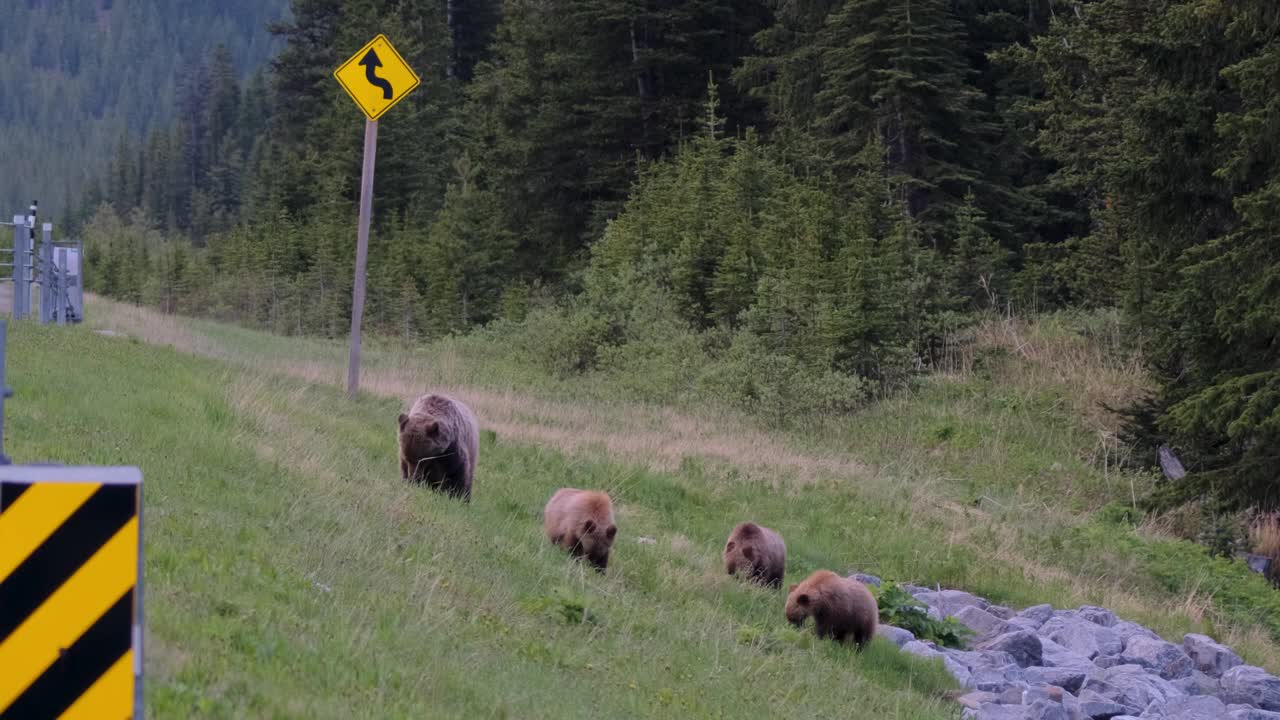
(1264, 535)
(1096, 372)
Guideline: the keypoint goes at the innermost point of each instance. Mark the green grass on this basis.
(294, 575)
(290, 573)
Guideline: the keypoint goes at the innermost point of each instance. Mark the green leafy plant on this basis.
(900, 609)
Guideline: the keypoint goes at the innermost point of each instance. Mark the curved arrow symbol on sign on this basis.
(371, 64)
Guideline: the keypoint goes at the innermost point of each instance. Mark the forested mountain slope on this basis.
(78, 76)
(679, 194)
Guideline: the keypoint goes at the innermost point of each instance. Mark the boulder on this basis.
(1197, 708)
(1133, 686)
(1037, 614)
(1097, 615)
(1001, 612)
(996, 680)
(1210, 658)
(1056, 656)
(1069, 679)
(1260, 564)
(951, 602)
(1197, 683)
(1249, 685)
(923, 649)
(1097, 707)
(1245, 712)
(1082, 636)
(895, 635)
(1164, 658)
(866, 579)
(1023, 645)
(983, 624)
(1126, 630)
(976, 699)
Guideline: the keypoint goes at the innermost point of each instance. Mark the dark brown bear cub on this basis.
(757, 552)
(841, 608)
(581, 521)
(439, 443)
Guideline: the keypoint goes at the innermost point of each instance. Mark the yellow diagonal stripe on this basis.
(110, 697)
(69, 612)
(33, 518)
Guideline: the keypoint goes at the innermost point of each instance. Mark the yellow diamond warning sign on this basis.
(376, 77)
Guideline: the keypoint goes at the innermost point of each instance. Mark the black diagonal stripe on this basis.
(78, 667)
(10, 492)
(63, 552)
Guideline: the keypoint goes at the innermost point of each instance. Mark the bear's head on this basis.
(596, 540)
(422, 438)
(799, 605)
(738, 556)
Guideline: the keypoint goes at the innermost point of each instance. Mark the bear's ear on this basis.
(403, 419)
(730, 546)
(612, 531)
(792, 588)
(802, 599)
(749, 553)
(588, 526)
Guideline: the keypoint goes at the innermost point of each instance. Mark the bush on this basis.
(900, 609)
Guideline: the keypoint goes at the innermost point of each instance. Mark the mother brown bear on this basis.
(439, 443)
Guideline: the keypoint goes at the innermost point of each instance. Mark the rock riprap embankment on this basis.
(1045, 663)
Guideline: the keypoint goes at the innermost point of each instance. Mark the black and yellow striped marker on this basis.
(70, 593)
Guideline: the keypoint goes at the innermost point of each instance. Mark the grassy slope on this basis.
(290, 573)
(293, 574)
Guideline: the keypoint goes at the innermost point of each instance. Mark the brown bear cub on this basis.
(581, 521)
(757, 552)
(841, 608)
(439, 443)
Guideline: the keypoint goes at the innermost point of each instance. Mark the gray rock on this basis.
(1197, 708)
(1023, 645)
(1097, 615)
(916, 647)
(1126, 630)
(983, 624)
(975, 660)
(1132, 685)
(1249, 685)
(866, 579)
(1098, 707)
(961, 673)
(1069, 679)
(996, 680)
(1001, 612)
(1108, 661)
(1260, 564)
(1245, 712)
(895, 635)
(1166, 659)
(1082, 636)
(1040, 710)
(1210, 658)
(993, 711)
(1037, 614)
(976, 699)
(915, 591)
(950, 602)
(1055, 656)
(1198, 684)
